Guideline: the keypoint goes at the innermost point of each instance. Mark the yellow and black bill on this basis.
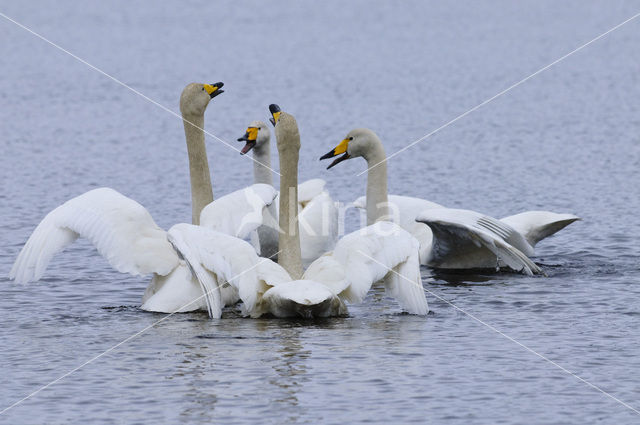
(341, 148)
(214, 89)
(250, 136)
(275, 113)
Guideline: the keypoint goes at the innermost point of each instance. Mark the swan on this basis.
(125, 234)
(382, 251)
(317, 212)
(449, 238)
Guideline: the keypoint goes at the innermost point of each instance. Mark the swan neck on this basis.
(289, 256)
(201, 191)
(262, 164)
(377, 200)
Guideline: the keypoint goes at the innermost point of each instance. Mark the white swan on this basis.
(449, 238)
(383, 251)
(125, 234)
(317, 212)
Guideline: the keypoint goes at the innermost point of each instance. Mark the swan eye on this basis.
(350, 138)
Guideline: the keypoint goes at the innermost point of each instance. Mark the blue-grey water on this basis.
(566, 141)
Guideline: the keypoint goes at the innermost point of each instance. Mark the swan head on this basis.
(359, 142)
(256, 136)
(196, 96)
(275, 113)
(287, 133)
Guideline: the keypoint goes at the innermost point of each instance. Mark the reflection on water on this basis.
(566, 141)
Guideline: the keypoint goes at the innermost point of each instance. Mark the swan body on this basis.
(317, 212)
(449, 238)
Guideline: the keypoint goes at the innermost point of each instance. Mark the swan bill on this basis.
(341, 148)
(275, 113)
(339, 160)
(250, 136)
(213, 89)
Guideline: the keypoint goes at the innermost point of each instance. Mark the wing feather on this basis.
(239, 213)
(121, 229)
(368, 256)
(229, 260)
(457, 234)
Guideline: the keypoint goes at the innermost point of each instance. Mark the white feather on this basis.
(404, 210)
(464, 238)
(537, 225)
(227, 258)
(318, 220)
(238, 213)
(360, 259)
(310, 189)
(367, 256)
(121, 229)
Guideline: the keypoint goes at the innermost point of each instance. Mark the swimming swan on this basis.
(317, 212)
(383, 251)
(449, 238)
(125, 234)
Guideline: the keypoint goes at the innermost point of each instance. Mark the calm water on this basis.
(566, 141)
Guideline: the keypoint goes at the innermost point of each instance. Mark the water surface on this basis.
(565, 141)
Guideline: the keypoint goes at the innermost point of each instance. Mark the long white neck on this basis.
(289, 256)
(262, 164)
(377, 201)
(201, 191)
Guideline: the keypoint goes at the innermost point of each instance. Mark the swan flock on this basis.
(279, 252)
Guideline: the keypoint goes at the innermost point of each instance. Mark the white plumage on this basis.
(241, 222)
(318, 218)
(465, 239)
(317, 212)
(383, 251)
(449, 238)
(121, 229)
(125, 234)
(453, 248)
(537, 225)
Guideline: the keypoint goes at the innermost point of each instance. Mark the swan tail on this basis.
(537, 225)
(303, 298)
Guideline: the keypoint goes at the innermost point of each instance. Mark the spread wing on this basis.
(458, 233)
(404, 210)
(121, 229)
(239, 213)
(216, 259)
(369, 255)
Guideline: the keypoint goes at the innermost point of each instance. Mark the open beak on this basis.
(214, 89)
(341, 148)
(275, 113)
(250, 136)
